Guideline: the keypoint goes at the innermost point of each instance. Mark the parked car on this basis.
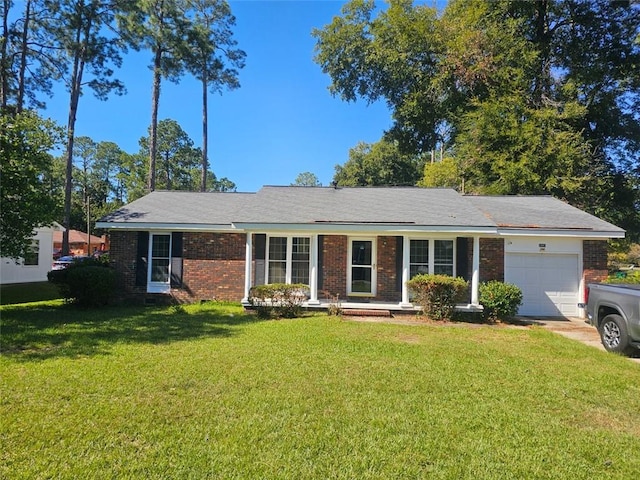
(64, 262)
(615, 311)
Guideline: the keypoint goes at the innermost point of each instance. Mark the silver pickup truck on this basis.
(615, 311)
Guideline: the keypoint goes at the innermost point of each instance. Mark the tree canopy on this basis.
(524, 97)
(25, 141)
(380, 163)
(307, 179)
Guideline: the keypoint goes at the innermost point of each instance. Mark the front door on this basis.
(362, 268)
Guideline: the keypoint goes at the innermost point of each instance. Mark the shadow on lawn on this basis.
(40, 332)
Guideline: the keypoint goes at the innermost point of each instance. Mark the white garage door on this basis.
(549, 282)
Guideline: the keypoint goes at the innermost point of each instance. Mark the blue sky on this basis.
(281, 122)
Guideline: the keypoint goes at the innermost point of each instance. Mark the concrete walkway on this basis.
(575, 329)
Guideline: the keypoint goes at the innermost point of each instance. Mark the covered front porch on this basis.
(340, 274)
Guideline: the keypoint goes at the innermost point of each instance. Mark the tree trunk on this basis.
(543, 41)
(23, 57)
(68, 183)
(153, 134)
(75, 87)
(4, 59)
(203, 181)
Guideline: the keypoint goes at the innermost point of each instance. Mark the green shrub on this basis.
(626, 277)
(89, 283)
(437, 294)
(500, 300)
(278, 299)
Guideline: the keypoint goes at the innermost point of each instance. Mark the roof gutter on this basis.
(569, 233)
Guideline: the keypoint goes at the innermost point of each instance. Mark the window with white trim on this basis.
(288, 259)
(431, 256)
(418, 257)
(160, 256)
(443, 257)
(300, 257)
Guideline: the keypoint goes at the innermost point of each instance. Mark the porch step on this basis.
(355, 312)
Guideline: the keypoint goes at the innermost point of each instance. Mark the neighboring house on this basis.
(359, 245)
(34, 267)
(80, 243)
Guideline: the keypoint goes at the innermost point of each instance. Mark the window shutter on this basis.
(176, 259)
(462, 260)
(141, 259)
(261, 246)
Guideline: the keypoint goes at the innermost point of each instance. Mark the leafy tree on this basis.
(526, 97)
(77, 28)
(213, 58)
(176, 157)
(162, 27)
(380, 163)
(25, 142)
(109, 173)
(221, 185)
(28, 59)
(307, 179)
(444, 173)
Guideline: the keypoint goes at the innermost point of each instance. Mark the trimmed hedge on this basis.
(278, 299)
(437, 294)
(500, 300)
(89, 283)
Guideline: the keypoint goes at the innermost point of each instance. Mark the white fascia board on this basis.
(533, 232)
(352, 228)
(171, 227)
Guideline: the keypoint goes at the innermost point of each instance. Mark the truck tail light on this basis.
(586, 295)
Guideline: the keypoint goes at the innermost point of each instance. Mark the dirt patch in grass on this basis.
(602, 419)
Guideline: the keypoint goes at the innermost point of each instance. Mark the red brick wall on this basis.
(594, 260)
(334, 265)
(386, 270)
(213, 266)
(122, 256)
(491, 259)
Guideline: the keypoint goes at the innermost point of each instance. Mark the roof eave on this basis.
(556, 232)
(172, 227)
(346, 227)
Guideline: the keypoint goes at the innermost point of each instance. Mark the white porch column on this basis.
(313, 273)
(248, 254)
(406, 245)
(475, 276)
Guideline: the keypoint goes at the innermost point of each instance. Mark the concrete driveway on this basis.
(575, 329)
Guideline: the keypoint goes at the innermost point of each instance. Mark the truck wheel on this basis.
(613, 333)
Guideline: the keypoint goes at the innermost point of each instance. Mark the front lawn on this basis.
(28, 292)
(206, 391)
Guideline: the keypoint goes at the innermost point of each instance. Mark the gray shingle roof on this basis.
(364, 205)
(401, 206)
(538, 212)
(176, 207)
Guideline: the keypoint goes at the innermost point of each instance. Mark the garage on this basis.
(550, 283)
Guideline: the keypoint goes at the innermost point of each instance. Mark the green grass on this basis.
(28, 292)
(208, 392)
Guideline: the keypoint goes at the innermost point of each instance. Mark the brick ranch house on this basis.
(359, 244)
